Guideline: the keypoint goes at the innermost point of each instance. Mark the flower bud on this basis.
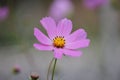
(34, 76)
(16, 69)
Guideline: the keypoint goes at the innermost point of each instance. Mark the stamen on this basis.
(59, 42)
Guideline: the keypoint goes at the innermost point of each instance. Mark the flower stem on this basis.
(54, 69)
(50, 64)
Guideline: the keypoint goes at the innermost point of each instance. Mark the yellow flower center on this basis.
(59, 42)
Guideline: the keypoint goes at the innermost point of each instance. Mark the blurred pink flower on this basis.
(60, 41)
(16, 69)
(4, 11)
(93, 4)
(60, 9)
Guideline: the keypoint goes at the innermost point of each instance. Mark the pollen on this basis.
(59, 42)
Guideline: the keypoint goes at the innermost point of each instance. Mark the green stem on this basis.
(50, 64)
(54, 69)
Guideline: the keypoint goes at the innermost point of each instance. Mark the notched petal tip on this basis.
(46, 18)
(88, 42)
(41, 37)
(72, 53)
(36, 30)
(83, 43)
(49, 24)
(34, 44)
(82, 34)
(82, 30)
(66, 20)
(57, 54)
(64, 27)
(78, 54)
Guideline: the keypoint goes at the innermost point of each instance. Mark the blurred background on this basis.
(100, 19)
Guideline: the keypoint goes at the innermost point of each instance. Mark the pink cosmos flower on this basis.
(92, 4)
(59, 39)
(60, 9)
(4, 11)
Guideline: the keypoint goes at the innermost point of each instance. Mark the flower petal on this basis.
(77, 35)
(41, 37)
(78, 44)
(72, 52)
(58, 54)
(42, 47)
(50, 25)
(64, 27)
